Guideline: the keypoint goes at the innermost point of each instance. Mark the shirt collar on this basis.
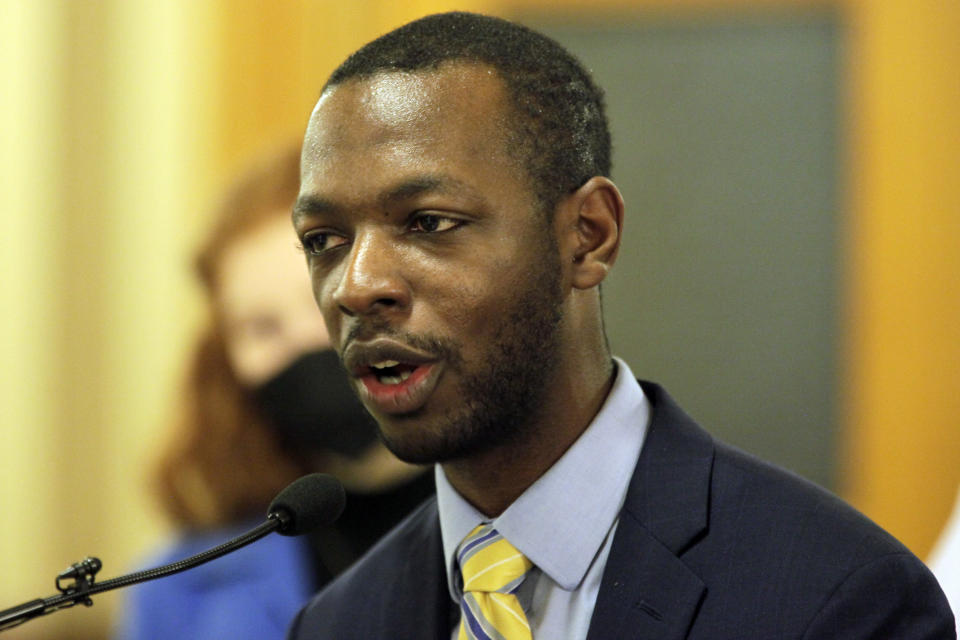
(561, 521)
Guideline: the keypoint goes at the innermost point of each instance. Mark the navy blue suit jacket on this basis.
(712, 544)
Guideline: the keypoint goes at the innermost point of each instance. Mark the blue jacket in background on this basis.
(251, 594)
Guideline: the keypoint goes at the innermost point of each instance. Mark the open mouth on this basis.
(395, 387)
(391, 372)
(394, 378)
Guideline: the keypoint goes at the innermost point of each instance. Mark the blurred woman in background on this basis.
(265, 401)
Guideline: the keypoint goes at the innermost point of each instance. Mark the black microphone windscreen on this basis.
(309, 502)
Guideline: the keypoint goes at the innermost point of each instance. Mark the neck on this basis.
(493, 479)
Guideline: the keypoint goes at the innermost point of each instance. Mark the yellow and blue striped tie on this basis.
(492, 571)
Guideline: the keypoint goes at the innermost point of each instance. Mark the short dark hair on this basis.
(560, 123)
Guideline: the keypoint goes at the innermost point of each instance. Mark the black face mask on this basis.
(311, 405)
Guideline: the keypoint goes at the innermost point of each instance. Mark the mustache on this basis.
(443, 347)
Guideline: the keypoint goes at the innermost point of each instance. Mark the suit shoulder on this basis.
(805, 558)
(361, 601)
(777, 555)
(781, 501)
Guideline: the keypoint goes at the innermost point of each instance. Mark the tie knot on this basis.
(488, 563)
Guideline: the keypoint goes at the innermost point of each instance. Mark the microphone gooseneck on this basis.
(307, 503)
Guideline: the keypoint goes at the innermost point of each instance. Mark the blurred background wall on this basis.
(121, 121)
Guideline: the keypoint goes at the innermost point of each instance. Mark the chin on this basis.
(418, 442)
(418, 449)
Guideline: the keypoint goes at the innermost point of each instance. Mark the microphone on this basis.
(307, 503)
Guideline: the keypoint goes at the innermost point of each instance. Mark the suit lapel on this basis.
(647, 591)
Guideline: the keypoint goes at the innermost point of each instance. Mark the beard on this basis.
(502, 397)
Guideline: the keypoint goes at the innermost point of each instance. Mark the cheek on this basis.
(473, 306)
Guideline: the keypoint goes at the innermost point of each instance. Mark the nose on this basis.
(371, 282)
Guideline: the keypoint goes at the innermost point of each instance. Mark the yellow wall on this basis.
(902, 444)
(103, 174)
(120, 122)
(27, 158)
(275, 57)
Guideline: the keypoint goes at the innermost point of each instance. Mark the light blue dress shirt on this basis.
(564, 522)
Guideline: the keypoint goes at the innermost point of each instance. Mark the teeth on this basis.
(395, 379)
(386, 364)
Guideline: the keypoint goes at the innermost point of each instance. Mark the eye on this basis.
(433, 223)
(316, 242)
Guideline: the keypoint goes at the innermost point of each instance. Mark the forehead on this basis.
(452, 115)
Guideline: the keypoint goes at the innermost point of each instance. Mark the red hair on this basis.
(223, 462)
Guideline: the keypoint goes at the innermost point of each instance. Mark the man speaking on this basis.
(458, 221)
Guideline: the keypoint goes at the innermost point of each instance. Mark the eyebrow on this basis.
(307, 205)
(405, 190)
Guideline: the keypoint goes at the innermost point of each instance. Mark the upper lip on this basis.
(359, 356)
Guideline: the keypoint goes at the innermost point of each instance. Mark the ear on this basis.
(591, 220)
